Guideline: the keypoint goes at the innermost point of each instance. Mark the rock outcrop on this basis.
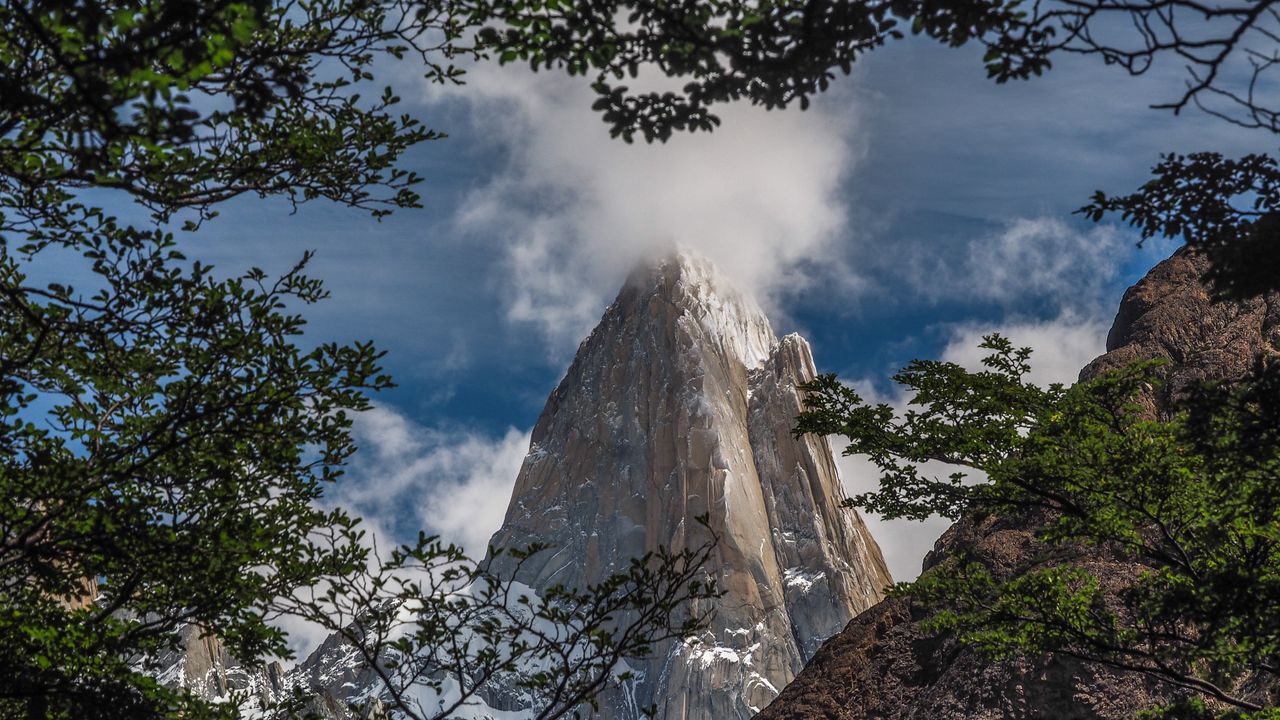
(202, 664)
(885, 665)
(680, 404)
(1169, 316)
(329, 682)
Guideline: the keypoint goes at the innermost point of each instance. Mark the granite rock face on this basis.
(1168, 316)
(203, 665)
(884, 665)
(680, 404)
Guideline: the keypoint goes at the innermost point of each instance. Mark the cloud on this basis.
(1046, 257)
(450, 482)
(407, 477)
(1060, 346)
(903, 543)
(572, 210)
(468, 508)
(1030, 260)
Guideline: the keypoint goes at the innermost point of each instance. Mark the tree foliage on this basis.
(782, 51)
(164, 440)
(184, 104)
(770, 53)
(441, 632)
(164, 435)
(1228, 207)
(167, 436)
(1189, 505)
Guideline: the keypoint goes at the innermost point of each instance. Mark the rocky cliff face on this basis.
(884, 665)
(332, 680)
(202, 665)
(680, 404)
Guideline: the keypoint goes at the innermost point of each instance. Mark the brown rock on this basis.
(885, 665)
(202, 664)
(1168, 316)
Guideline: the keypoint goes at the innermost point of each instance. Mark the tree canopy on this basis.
(183, 104)
(167, 434)
(778, 52)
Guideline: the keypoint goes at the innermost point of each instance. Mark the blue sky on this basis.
(911, 209)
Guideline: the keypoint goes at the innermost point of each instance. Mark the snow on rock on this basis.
(799, 579)
(202, 665)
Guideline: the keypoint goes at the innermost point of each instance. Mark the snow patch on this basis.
(705, 657)
(799, 579)
(704, 654)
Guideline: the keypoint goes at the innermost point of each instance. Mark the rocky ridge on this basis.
(331, 680)
(201, 664)
(884, 665)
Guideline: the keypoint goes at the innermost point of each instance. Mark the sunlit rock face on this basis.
(680, 404)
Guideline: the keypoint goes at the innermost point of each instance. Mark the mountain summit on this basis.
(680, 403)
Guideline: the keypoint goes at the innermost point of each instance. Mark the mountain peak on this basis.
(691, 283)
(680, 404)
(679, 265)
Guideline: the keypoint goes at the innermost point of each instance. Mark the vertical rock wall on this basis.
(680, 404)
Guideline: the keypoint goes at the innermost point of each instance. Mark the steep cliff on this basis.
(884, 665)
(680, 404)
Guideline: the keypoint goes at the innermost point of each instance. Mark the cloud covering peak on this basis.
(572, 210)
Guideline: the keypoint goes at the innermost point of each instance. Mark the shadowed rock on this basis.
(884, 665)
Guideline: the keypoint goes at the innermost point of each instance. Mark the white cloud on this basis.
(454, 483)
(1046, 257)
(469, 507)
(1060, 346)
(1040, 259)
(573, 210)
(904, 543)
(407, 477)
